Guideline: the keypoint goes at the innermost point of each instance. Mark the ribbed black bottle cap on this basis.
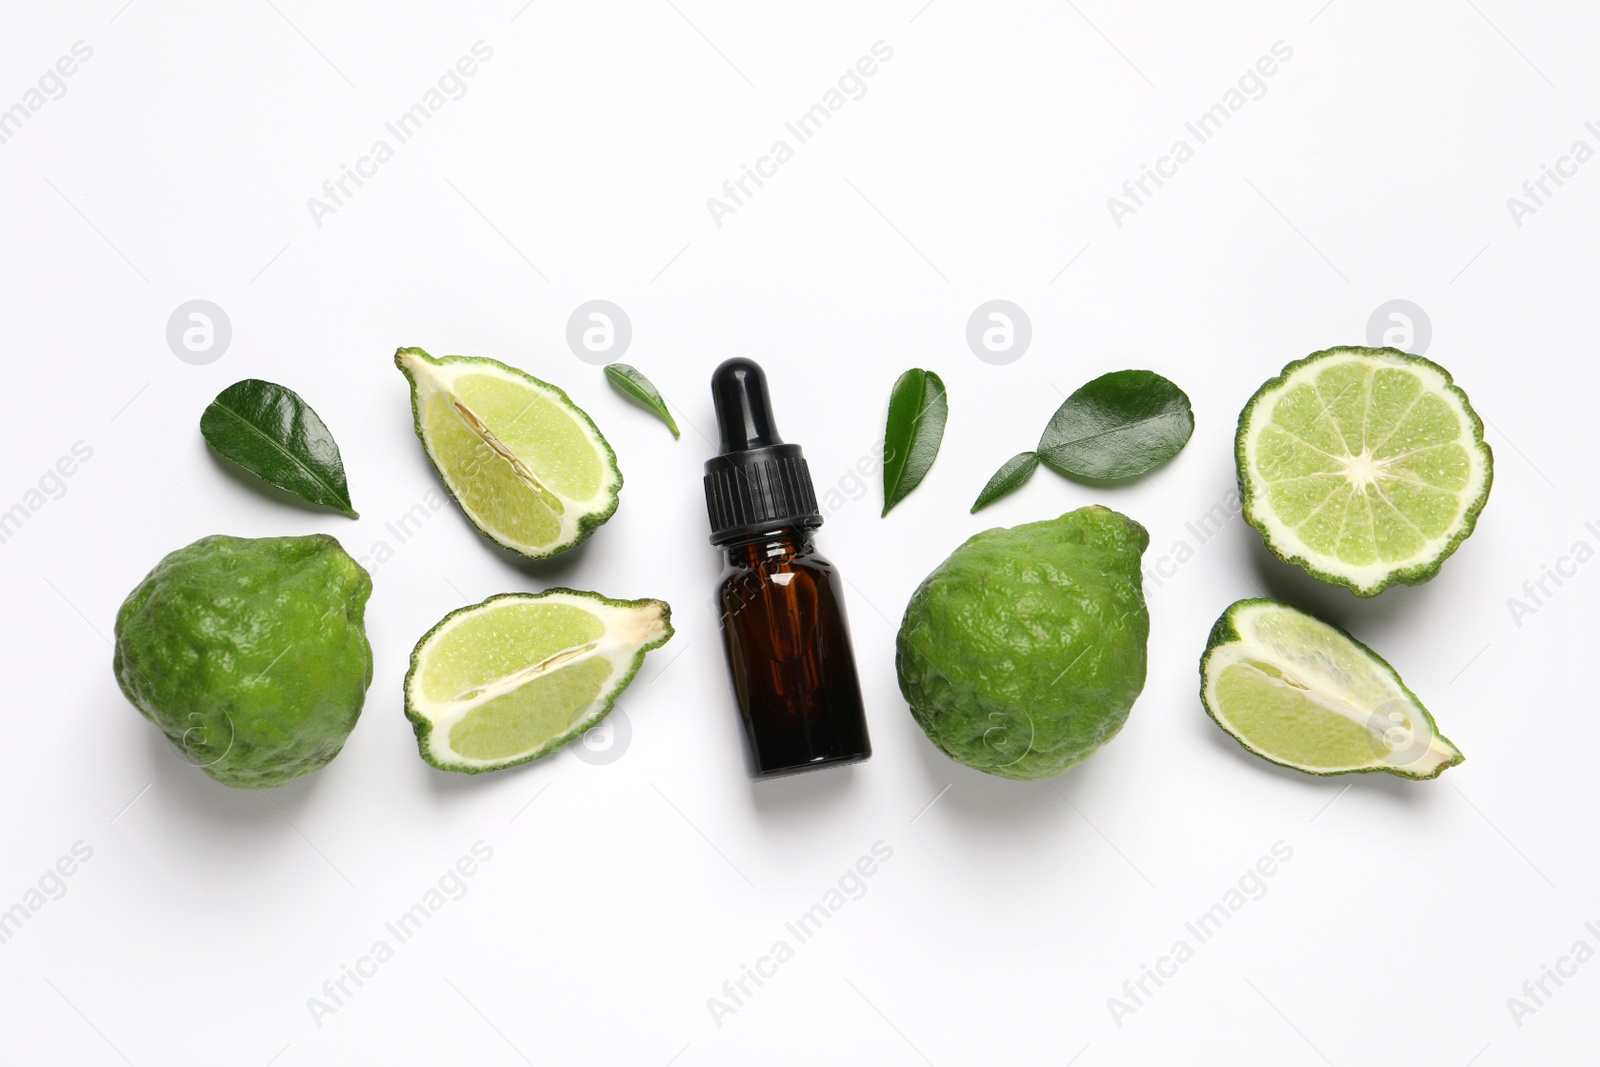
(758, 482)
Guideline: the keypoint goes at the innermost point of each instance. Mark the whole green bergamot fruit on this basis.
(250, 654)
(1022, 653)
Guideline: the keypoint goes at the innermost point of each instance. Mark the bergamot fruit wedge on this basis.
(1303, 694)
(516, 677)
(526, 464)
(1364, 466)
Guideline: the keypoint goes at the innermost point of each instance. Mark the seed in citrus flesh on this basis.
(526, 464)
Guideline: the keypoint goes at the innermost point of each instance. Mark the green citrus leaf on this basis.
(631, 383)
(1011, 476)
(270, 432)
(1119, 425)
(917, 413)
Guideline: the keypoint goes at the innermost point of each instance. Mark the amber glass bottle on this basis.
(782, 613)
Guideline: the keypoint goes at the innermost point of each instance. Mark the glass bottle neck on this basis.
(769, 544)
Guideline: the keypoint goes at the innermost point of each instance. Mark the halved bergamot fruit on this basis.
(1303, 694)
(525, 463)
(1364, 466)
(521, 674)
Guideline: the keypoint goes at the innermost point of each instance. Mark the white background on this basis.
(621, 896)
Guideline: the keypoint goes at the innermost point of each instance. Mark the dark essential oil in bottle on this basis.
(783, 623)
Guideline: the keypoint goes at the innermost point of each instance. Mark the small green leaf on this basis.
(917, 413)
(1011, 476)
(1118, 426)
(270, 432)
(633, 384)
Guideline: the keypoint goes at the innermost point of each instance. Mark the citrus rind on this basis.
(1354, 498)
(1306, 695)
(461, 698)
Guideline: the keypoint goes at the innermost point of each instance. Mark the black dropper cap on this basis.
(758, 483)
